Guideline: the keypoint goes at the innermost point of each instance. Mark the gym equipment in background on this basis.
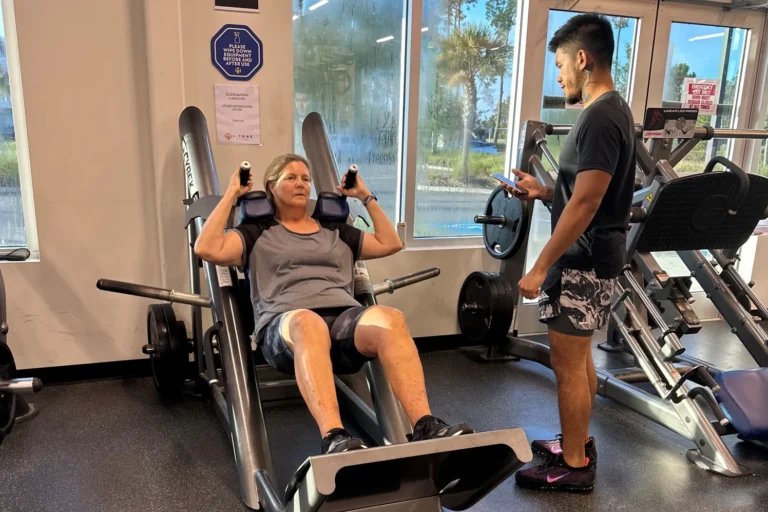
(715, 211)
(13, 407)
(454, 473)
(719, 279)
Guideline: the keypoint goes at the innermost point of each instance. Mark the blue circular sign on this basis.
(237, 52)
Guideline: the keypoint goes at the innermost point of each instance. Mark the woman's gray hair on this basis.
(275, 169)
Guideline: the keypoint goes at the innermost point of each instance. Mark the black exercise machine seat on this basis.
(695, 213)
(459, 471)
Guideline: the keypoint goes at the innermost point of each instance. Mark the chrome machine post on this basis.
(247, 429)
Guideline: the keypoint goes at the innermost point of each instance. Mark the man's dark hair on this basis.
(590, 32)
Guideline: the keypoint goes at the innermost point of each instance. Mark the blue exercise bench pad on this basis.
(744, 399)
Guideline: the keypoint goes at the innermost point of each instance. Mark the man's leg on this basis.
(592, 377)
(307, 336)
(383, 333)
(570, 358)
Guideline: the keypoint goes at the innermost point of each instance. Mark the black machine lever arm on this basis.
(390, 285)
(738, 171)
(151, 292)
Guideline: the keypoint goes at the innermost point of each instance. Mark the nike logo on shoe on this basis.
(555, 479)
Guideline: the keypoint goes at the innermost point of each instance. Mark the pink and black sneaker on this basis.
(555, 447)
(557, 475)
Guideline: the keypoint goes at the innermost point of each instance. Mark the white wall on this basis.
(102, 105)
(85, 86)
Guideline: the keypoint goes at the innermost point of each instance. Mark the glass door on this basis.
(717, 47)
(633, 28)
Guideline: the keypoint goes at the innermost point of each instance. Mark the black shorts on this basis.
(575, 302)
(341, 323)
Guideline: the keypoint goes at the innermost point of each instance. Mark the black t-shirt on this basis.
(602, 139)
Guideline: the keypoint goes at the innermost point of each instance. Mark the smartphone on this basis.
(505, 180)
(245, 173)
(351, 180)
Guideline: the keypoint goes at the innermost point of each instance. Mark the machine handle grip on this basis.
(637, 214)
(738, 171)
(390, 285)
(490, 219)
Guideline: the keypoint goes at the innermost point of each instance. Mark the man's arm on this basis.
(549, 195)
(588, 193)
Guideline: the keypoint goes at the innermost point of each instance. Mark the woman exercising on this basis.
(308, 322)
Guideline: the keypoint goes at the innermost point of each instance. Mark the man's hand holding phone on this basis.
(526, 186)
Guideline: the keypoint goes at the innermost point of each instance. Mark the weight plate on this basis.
(504, 240)
(7, 400)
(169, 352)
(486, 306)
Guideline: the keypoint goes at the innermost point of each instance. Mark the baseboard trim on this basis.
(137, 368)
(130, 368)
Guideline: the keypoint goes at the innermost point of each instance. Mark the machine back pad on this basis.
(691, 213)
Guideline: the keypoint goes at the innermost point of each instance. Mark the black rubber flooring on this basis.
(112, 446)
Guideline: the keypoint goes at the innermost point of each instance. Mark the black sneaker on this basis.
(554, 447)
(557, 475)
(338, 440)
(430, 427)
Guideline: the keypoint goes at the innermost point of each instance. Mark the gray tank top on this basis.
(289, 271)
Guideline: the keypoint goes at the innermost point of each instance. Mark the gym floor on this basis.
(112, 446)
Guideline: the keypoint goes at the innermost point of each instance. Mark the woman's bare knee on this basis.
(385, 318)
(304, 325)
(382, 324)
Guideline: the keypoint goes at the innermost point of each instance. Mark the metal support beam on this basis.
(744, 326)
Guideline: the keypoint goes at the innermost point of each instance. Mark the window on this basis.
(16, 217)
(348, 68)
(705, 52)
(349, 65)
(464, 90)
(555, 111)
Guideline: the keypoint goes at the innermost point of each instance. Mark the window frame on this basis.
(20, 129)
(408, 151)
(747, 90)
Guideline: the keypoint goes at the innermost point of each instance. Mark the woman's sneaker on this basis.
(338, 440)
(555, 447)
(430, 427)
(557, 475)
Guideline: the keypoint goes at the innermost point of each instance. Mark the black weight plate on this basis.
(504, 240)
(486, 307)
(171, 353)
(7, 400)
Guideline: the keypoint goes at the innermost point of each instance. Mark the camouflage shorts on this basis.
(579, 295)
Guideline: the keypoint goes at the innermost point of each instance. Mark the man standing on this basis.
(575, 273)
